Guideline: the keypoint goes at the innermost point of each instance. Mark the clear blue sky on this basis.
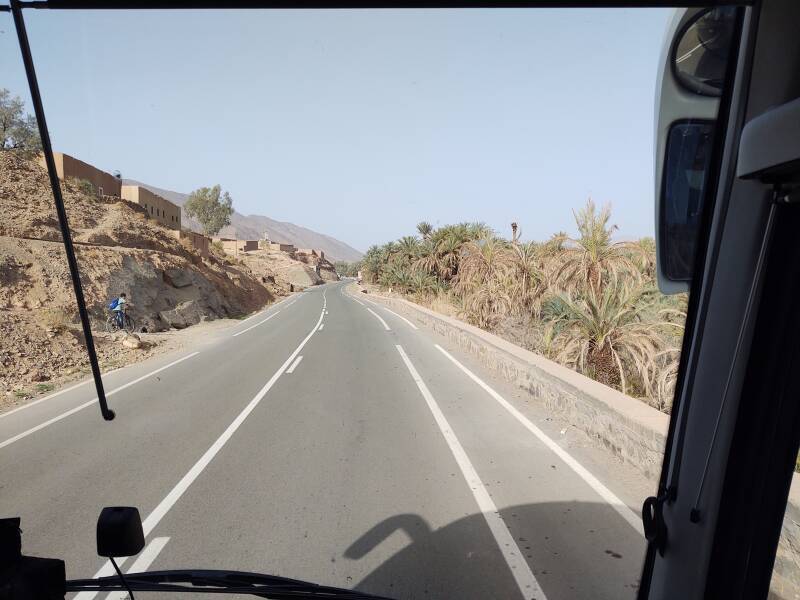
(359, 124)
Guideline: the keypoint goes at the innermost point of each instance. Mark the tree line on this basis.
(587, 302)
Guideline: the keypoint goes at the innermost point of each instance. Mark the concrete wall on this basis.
(632, 430)
(158, 208)
(282, 247)
(198, 240)
(234, 246)
(309, 251)
(69, 167)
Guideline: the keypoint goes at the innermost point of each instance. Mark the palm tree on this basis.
(478, 230)
(425, 229)
(664, 377)
(406, 250)
(397, 277)
(425, 260)
(643, 255)
(593, 260)
(423, 284)
(606, 335)
(448, 254)
(482, 281)
(372, 264)
(527, 280)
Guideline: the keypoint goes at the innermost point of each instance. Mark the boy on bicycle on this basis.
(118, 308)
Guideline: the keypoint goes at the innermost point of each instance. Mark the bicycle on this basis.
(113, 322)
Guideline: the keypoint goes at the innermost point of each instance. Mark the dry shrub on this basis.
(55, 319)
(84, 186)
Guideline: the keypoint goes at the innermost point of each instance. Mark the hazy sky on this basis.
(359, 124)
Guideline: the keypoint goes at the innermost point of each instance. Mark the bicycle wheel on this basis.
(111, 324)
(130, 324)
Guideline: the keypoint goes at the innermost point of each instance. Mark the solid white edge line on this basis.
(142, 563)
(616, 503)
(261, 312)
(176, 492)
(377, 316)
(256, 325)
(72, 411)
(35, 402)
(523, 576)
(59, 392)
(294, 364)
(253, 316)
(321, 326)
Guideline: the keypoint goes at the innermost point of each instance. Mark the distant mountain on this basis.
(252, 227)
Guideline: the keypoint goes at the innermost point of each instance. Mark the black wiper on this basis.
(203, 581)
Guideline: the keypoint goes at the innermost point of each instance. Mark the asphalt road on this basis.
(383, 460)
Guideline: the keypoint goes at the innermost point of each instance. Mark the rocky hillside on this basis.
(252, 227)
(119, 250)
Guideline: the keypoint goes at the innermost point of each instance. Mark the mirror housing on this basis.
(686, 110)
(119, 532)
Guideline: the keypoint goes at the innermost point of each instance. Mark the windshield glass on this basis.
(372, 292)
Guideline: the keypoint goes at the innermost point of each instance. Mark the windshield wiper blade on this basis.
(209, 581)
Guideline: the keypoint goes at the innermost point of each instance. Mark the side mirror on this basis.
(119, 532)
(694, 61)
(686, 165)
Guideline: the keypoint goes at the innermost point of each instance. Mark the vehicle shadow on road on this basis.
(574, 549)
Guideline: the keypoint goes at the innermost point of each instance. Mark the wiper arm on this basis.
(204, 581)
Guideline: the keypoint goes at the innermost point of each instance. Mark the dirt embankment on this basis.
(294, 269)
(119, 250)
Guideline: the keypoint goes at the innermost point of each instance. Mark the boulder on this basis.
(179, 278)
(132, 341)
(185, 314)
(37, 375)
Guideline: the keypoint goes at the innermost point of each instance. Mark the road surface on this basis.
(327, 439)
